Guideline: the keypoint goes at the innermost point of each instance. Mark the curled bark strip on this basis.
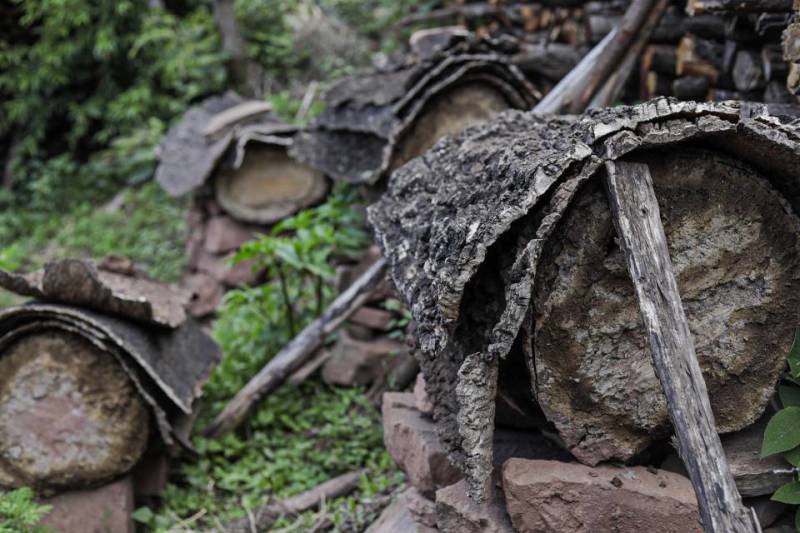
(460, 224)
(359, 135)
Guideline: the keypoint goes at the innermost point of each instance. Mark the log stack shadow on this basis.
(101, 374)
(508, 250)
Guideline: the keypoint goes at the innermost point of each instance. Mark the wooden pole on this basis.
(638, 222)
(297, 352)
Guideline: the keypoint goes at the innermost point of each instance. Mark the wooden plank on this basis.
(638, 222)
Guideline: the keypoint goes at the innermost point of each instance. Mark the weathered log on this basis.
(690, 88)
(464, 254)
(375, 123)
(637, 219)
(773, 65)
(262, 518)
(551, 61)
(696, 190)
(656, 84)
(698, 57)
(659, 58)
(696, 7)
(167, 366)
(297, 352)
(69, 414)
(748, 73)
(244, 148)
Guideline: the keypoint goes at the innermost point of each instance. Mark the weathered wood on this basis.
(268, 185)
(375, 122)
(694, 59)
(465, 254)
(590, 331)
(748, 73)
(297, 352)
(70, 415)
(82, 283)
(637, 219)
(614, 85)
(168, 366)
(696, 7)
(659, 58)
(551, 61)
(636, 16)
(690, 88)
(263, 517)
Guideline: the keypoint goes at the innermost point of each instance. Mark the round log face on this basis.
(69, 414)
(736, 255)
(454, 110)
(268, 186)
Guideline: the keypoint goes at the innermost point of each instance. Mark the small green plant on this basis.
(20, 512)
(782, 434)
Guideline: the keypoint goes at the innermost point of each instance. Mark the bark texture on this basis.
(464, 253)
(376, 122)
(167, 366)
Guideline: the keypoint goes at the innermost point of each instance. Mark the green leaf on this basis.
(794, 356)
(790, 396)
(143, 515)
(793, 456)
(789, 493)
(783, 432)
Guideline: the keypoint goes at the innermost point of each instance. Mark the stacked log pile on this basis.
(513, 259)
(719, 51)
(791, 52)
(232, 155)
(102, 368)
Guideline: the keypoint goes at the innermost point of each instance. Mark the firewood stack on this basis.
(232, 155)
(791, 52)
(101, 369)
(514, 260)
(720, 50)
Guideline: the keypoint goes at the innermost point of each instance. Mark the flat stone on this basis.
(356, 362)
(396, 518)
(412, 442)
(224, 234)
(421, 508)
(545, 496)
(101, 510)
(206, 294)
(423, 402)
(240, 274)
(456, 512)
(371, 317)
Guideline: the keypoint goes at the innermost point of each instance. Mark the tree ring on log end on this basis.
(453, 110)
(735, 250)
(69, 414)
(268, 186)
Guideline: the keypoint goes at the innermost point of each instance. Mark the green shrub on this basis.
(20, 513)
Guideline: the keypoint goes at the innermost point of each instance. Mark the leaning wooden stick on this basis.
(576, 90)
(297, 352)
(263, 517)
(638, 222)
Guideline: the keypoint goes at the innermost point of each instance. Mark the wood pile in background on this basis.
(719, 51)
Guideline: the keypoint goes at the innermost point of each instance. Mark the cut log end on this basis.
(736, 266)
(456, 109)
(69, 414)
(268, 186)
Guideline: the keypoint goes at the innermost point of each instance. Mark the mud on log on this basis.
(377, 122)
(464, 255)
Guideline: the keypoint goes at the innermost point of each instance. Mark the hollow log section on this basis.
(464, 255)
(637, 219)
(79, 390)
(375, 123)
(243, 147)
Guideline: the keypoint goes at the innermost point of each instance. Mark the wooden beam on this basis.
(638, 222)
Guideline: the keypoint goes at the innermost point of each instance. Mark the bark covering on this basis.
(464, 252)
